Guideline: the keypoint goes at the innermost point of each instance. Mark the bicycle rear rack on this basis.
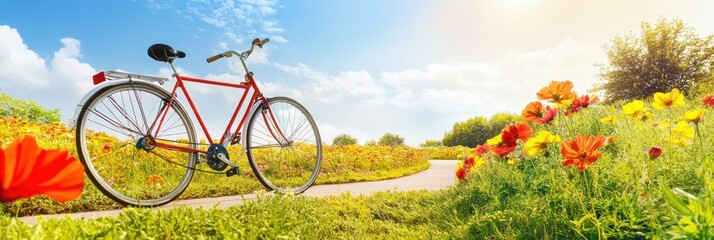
(114, 75)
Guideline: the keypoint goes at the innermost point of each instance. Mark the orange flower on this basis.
(582, 152)
(560, 93)
(511, 133)
(27, 171)
(708, 100)
(535, 113)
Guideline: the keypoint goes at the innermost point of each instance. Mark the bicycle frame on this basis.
(256, 98)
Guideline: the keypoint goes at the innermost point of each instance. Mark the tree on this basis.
(431, 143)
(344, 140)
(477, 130)
(665, 55)
(389, 139)
(370, 143)
(469, 133)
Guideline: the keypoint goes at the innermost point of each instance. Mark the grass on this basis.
(625, 195)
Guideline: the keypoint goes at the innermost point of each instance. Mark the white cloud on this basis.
(19, 64)
(25, 75)
(23, 67)
(331, 88)
(444, 92)
(254, 17)
(271, 26)
(67, 68)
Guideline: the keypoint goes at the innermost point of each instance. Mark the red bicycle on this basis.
(139, 146)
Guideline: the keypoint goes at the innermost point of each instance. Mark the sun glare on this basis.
(518, 3)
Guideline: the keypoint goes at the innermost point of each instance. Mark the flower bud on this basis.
(655, 152)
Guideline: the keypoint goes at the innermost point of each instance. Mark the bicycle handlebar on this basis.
(214, 58)
(259, 42)
(244, 55)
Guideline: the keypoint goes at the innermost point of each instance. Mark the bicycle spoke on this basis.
(112, 122)
(123, 112)
(141, 108)
(113, 145)
(284, 168)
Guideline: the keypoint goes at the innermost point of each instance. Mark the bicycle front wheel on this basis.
(117, 143)
(285, 157)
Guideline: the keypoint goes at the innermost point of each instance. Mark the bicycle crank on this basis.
(218, 157)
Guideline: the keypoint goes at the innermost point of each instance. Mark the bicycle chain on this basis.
(182, 165)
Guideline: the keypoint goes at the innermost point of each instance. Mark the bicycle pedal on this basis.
(236, 140)
(232, 171)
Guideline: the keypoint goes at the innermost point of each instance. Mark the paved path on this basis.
(439, 176)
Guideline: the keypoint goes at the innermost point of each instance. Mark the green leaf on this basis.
(674, 201)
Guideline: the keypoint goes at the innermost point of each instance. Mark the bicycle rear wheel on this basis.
(284, 166)
(116, 142)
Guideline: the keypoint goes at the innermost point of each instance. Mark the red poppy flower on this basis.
(469, 162)
(511, 133)
(708, 100)
(27, 171)
(580, 103)
(482, 149)
(655, 152)
(503, 150)
(461, 174)
(549, 115)
(582, 152)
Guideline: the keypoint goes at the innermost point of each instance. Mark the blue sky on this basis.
(410, 67)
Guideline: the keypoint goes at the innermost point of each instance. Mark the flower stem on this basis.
(594, 217)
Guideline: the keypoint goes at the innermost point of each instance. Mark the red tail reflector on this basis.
(99, 78)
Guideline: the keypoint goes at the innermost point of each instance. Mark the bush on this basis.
(26, 110)
(477, 130)
(431, 144)
(389, 139)
(344, 140)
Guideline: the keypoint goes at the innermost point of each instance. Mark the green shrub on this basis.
(389, 139)
(477, 130)
(344, 140)
(431, 143)
(26, 110)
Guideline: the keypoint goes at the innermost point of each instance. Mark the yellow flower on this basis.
(663, 100)
(534, 145)
(661, 124)
(677, 140)
(608, 119)
(636, 110)
(494, 141)
(693, 116)
(680, 134)
(683, 130)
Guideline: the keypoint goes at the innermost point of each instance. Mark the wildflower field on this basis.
(574, 168)
(341, 164)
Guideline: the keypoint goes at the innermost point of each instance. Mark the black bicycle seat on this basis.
(164, 53)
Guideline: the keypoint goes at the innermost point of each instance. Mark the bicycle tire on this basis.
(109, 133)
(289, 168)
